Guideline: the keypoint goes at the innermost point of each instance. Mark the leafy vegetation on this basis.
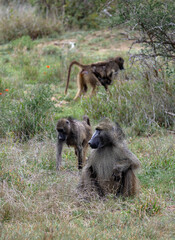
(22, 20)
(144, 105)
(28, 116)
(154, 21)
(35, 201)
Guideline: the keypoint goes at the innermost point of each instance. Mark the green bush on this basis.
(28, 116)
(23, 42)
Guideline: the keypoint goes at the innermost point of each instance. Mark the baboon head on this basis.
(107, 133)
(63, 129)
(120, 62)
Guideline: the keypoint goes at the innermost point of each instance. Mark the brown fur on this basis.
(76, 134)
(95, 74)
(110, 167)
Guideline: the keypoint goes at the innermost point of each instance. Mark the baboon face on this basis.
(63, 129)
(120, 62)
(100, 139)
(106, 134)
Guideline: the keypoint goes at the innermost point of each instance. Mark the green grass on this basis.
(36, 202)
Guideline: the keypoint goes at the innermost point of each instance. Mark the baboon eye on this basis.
(67, 121)
(98, 131)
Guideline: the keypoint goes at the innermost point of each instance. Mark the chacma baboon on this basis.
(76, 134)
(111, 165)
(95, 74)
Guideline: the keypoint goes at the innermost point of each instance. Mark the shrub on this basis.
(29, 116)
(18, 21)
(23, 42)
(154, 22)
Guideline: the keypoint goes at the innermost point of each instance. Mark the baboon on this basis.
(110, 166)
(95, 74)
(76, 134)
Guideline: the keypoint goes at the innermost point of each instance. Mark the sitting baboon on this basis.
(76, 134)
(95, 74)
(110, 166)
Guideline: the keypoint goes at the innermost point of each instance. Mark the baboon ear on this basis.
(119, 131)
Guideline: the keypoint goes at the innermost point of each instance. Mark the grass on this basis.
(36, 202)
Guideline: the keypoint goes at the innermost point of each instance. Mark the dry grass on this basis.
(38, 203)
(17, 21)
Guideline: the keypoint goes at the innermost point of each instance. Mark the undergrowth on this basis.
(145, 103)
(36, 202)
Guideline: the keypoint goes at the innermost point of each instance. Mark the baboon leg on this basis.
(89, 181)
(95, 184)
(84, 153)
(79, 152)
(93, 92)
(128, 184)
(107, 89)
(59, 153)
(82, 87)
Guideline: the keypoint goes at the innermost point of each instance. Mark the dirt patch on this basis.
(122, 45)
(57, 102)
(68, 43)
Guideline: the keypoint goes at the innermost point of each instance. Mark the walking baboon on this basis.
(110, 167)
(95, 74)
(76, 134)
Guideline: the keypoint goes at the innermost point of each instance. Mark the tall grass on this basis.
(21, 20)
(36, 202)
(143, 104)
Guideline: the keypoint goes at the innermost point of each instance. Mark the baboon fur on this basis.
(101, 73)
(111, 165)
(74, 133)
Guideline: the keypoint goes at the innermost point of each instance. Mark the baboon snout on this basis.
(93, 144)
(62, 136)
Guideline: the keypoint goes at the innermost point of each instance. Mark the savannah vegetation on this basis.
(36, 39)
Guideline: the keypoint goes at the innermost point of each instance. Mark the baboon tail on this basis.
(69, 71)
(86, 119)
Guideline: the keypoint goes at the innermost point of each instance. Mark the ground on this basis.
(36, 202)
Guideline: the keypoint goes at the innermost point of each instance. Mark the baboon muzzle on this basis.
(62, 136)
(96, 142)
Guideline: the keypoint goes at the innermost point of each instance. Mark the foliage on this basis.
(17, 21)
(27, 117)
(23, 42)
(38, 203)
(143, 105)
(154, 20)
(73, 13)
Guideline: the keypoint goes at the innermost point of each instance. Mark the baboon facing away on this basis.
(95, 74)
(110, 166)
(74, 133)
